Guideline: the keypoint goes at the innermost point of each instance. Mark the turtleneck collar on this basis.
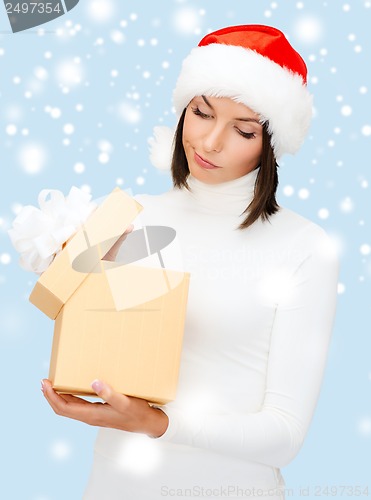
(231, 197)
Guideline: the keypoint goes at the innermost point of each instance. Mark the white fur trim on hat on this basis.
(277, 94)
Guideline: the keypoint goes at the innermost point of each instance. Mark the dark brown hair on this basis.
(264, 201)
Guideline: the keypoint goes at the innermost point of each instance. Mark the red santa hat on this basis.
(251, 64)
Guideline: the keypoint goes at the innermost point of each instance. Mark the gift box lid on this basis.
(102, 229)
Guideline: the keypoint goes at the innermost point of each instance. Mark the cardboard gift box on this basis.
(119, 321)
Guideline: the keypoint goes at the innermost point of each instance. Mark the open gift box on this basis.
(121, 322)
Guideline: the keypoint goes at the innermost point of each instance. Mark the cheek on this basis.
(246, 153)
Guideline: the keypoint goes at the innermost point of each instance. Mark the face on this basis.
(222, 139)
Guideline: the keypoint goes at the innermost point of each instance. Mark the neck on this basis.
(231, 197)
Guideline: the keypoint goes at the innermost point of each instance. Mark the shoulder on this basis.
(304, 235)
(294, 226)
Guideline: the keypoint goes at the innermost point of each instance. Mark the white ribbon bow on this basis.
(38, 234)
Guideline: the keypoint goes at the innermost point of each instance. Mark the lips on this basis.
(204, 163)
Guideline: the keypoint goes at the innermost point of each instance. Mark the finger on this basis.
(56, 401)
(118, 401)
(71, 407)
(111, 254)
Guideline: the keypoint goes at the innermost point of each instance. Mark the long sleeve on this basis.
(299, 344)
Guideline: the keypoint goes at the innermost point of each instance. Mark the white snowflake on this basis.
(323, 213)
(303, 194)
(187, 20)
(100, 11)
(68, 129)
(117, 36)
(346, 205)
(308, 29)
(11, 129)
(105, 146)
(41, 73)
(60, 450)
(346, 110)
(79, 168)
(288, 190)
(364, 426)
(32, 158)
(103, 158)
(129, 113)
(68, 73)
(5, 258)
(365, 249)
(55, 113)
(341, 288)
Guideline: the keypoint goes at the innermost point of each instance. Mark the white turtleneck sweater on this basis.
(259, 318)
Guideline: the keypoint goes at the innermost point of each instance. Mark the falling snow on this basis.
(308, 29)
(32, 158)
(60, 450)
(346, 205)
(100, 11)
(365, 249)
(303, 194)
(187, 20)
(364, 426)
(346, 110)
(79, 99)
(129, 113)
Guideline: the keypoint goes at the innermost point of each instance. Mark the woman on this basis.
(262, 294)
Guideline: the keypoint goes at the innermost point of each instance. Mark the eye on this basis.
(247, 135)
(198, 112)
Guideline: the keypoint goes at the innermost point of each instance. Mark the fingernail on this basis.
(42, 385)
(97, 385)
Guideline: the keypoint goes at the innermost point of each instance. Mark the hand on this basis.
(126, 413)
(112, 253)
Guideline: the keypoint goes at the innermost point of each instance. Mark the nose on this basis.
(213, 139)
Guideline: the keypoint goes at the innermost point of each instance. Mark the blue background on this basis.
(126, 56)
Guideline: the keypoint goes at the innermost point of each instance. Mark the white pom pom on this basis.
(161, 147)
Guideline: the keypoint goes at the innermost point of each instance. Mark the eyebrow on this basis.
(238, 119)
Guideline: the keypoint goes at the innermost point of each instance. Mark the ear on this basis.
(161, 147)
